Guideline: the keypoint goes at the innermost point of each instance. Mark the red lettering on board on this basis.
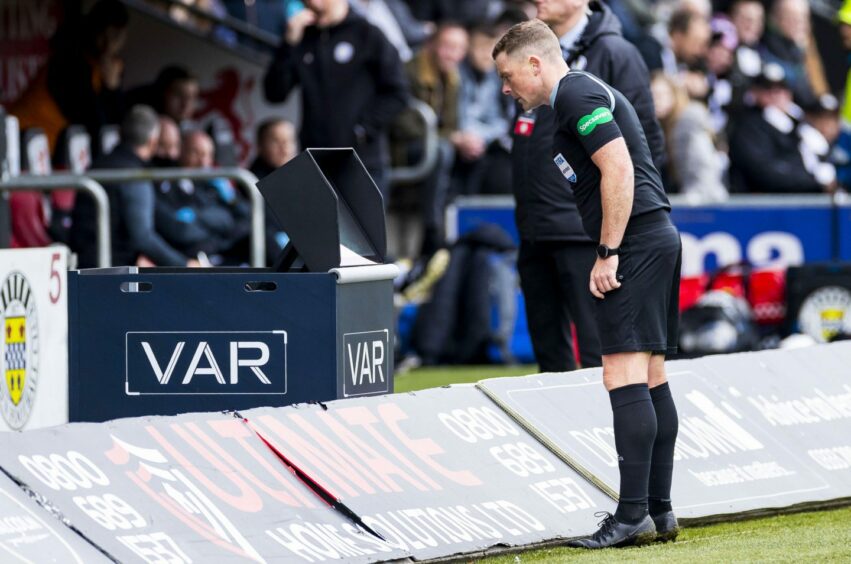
(363, 417)
(382, 468)
(320, 458)
(425, 449)
(246, 500)
(293, 494)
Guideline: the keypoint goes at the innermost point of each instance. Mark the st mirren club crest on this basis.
(20, 350)
(825, 313)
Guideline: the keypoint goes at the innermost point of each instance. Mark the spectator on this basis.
(695, 166)
(436, 80)
(465, 12)
(168, 148)
(201, 216)
(768, 151)
(482, 120)
(81, 82)
(788, 43)
(819, 133)
(131, 203)
(749, 18)
(690, 34)
(343, 62)
(174, 94)
(682, 45)
(276, 146)
(393, 17)
(204, 25)
(726, 85)
(268, 16)
(823, 115)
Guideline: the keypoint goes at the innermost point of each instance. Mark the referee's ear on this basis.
(535, 62)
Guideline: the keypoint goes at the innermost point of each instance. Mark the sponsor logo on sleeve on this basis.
(587, 124)
(565, 168)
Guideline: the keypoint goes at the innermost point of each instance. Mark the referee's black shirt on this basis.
(589, 114)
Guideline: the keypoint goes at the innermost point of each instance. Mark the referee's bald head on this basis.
(531, 37)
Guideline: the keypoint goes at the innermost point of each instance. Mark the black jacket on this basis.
(765, 160)
(352, 86)
(454, 326)
(131, 208)
(776, 48)
(546, 207)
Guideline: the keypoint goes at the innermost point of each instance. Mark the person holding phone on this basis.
(351, 78)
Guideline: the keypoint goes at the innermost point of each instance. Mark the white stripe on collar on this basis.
(601, 83)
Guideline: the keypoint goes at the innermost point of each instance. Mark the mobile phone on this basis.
(293, 7)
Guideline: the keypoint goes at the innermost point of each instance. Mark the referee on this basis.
(555, 252)
(600, 149)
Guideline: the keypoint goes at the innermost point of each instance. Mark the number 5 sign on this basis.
(34, 343)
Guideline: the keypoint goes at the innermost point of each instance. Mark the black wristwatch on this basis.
(605, 252)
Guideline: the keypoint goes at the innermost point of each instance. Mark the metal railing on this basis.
(30, 183)
(419, 171)
(244, 178)
(261, 36)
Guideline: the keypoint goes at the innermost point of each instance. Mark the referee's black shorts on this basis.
(643, 314)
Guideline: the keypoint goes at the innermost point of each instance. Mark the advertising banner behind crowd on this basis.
(34, 320)
(756, 430)
(436, 473)
(767, 232)
(192, 488)
(28, 533)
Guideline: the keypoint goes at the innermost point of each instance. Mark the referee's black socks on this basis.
(662, 467)
(635, 431)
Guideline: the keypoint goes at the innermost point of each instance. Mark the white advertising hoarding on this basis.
(34, 345)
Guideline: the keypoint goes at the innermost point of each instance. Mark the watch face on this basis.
(602, 251)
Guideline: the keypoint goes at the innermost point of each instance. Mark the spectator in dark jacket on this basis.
(169, 146)
(276, 146)
(556, 254)
(394, 18)
(771, 150)
(174, 93)
(351, 78)
(131, 203)
(81, 82)
(208, 216)
(787, 43)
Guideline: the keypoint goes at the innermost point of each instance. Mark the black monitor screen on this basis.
(351, 234)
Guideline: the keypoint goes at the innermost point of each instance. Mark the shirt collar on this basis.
(554, 92)
(569, 39)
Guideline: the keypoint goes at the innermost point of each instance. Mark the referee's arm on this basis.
(617, 186)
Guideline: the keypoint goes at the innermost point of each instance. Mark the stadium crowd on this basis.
(739, 89)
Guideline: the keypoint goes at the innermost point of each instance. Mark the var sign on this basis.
(366, 357)
(206, 363)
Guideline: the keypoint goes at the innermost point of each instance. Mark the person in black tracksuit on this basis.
(352, 82)
(556, 254)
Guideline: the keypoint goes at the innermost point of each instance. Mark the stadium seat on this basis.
(29, 209)
(73, 154)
